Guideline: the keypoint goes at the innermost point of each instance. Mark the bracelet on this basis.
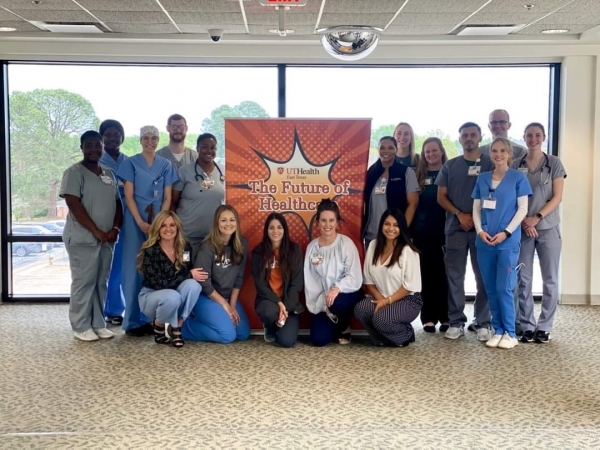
(390, 299)
(116, 228)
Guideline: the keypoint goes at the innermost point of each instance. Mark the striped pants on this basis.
(392, 323)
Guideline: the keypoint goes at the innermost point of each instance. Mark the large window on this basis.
(51, 105)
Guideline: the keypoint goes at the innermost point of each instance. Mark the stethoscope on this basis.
(546, 165)
(205, 184)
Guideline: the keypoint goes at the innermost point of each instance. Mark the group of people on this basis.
(179, 253)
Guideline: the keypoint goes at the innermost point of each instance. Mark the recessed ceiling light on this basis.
(36, 2)
(528, 6)
(282, 32)
(7, 29)
(555, 31)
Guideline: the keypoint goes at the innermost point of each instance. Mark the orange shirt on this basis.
(275, 278)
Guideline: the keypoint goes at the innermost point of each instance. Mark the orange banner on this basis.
(288, 166)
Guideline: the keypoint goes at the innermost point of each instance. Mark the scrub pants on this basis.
(457, 246)
(90, 266)
(498, 268)
(433, 276)
(548, 245)
(322, 330)
(210, 323)
(392, 323)
(170, 305)
(114, 305)
(287, 335)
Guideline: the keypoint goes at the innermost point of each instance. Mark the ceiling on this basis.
(248, 17)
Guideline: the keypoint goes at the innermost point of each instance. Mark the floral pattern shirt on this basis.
(159, 272)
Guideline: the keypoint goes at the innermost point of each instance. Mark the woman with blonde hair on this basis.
(218, 316)
(405, 136)
(170, 287)
(428, 236)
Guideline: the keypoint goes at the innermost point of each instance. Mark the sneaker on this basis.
(114, 320)
(507, 342)
(472, 326)
(494, 341)
(528, 336)
(104, 333)
(455, 332)
(269, 335)
(542, 337)
(484, 334)
(87, 335)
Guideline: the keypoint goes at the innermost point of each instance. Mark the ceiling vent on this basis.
(70, 27)
(486, 30)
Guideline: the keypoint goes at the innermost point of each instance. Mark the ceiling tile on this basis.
(120, 5)
(312, 6)
(362, 7)
(582, 6)
(296, 19)
(203, 6)
(517, 6)
(537, 29)
(503, 18)
(300, 30)
(55, 15)
(561, 18)
(438, 6)
(55, 5)
(207, 18)
(143, 28)
(374, 20)
(418, 30)
(201, 29)
(20, 25)
(430, 19)
(150, 17)
(5, 15)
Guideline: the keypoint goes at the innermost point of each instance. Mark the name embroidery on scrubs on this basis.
(475, 170)
(381, 186)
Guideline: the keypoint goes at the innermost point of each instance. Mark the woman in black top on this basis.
(170, 287)
(428, 236)
(278, 276)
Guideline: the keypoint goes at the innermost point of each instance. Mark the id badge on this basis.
(317, 258)
(474, 171)
(379, 190)
(428, 181)
(155, 193)
(121, 184)
(524, 170)
(489, 203)
(106, 179)
(186, 257)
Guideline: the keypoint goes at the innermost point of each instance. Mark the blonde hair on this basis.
(414, 158)
(154, 237)
(422, 166)
(214, 237)
(507, 145)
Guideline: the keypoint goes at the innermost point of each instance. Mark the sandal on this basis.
(345, 338)
(159, 334)
(176, 337)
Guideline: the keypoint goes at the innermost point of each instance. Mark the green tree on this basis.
(450, 145)
(44, 129)
(215, 124)
(378, 133)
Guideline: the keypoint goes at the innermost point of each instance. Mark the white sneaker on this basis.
(104, 333)
(508, 342)
(455, 332)
(484, 334)
(87, 335)
(494, 341)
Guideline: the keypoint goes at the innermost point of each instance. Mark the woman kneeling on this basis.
(392, 278)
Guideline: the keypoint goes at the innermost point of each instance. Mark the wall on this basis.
(580, 102)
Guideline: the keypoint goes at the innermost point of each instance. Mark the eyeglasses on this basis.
(498, 122)
(177, 127)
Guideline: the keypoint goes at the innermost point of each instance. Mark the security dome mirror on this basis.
(350, 42)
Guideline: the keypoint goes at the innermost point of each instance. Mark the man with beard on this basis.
(176, 151)
(499, 124)
(456, 181)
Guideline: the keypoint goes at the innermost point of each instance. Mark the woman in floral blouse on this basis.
(170, 286)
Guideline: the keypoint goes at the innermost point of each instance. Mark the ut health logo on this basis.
(280, 170)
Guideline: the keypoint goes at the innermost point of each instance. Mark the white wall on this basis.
(580, 103)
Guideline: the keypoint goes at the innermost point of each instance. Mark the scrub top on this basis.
(107, 161)
(98, 195)
(187, 157)
(201, 195)
(493, 221)
(148, 181)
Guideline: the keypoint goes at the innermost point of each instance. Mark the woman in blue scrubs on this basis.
(499, 206)
(148, 180)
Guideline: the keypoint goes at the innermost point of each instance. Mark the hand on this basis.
(235, 317)
(486, 238)
(145, 227)
(283, 314)
(331, 295)
(531, 232)
(530, 222)
(466, 221)
(381, 303)
(227, 307)
(112, 236)
(199, 274)
(499, 238)
(100, 235)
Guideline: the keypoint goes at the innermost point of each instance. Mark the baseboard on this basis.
(576, 299)
(595, 300)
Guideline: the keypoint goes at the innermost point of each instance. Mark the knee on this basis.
(191, 287)
(242, 333)
(227, 336)
(319, 340)
(287, 341)
(361, 311)
(267, 311)
(380, 322)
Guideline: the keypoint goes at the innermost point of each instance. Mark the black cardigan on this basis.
(291, 287)
(395, 192)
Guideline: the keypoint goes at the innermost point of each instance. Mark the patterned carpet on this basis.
(57, 392)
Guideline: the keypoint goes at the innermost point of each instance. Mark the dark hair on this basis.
(389, 138)
(175, 117)
(88, 135)
(110, 123)
(286, 250)
(328, 205)
(536, 124)
(204, 136)
(402, 241)
(469, 124)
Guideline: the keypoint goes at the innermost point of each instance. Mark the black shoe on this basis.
(410, 340)
(144, 330)
(444, 327)
(528, 336)
(518, 330)
(472, 326)
(429, 328)
(114, 320)
(270, 334)
(542, 337)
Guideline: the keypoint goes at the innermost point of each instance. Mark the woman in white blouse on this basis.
(332, 279)
(392, 280)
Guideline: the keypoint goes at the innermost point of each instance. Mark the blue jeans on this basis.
(210, 323)
(170, 305)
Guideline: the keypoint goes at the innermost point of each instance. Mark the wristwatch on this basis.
(539, 216)
(456, 212)
(508, 233)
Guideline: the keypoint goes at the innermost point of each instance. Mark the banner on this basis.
(289, 166)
